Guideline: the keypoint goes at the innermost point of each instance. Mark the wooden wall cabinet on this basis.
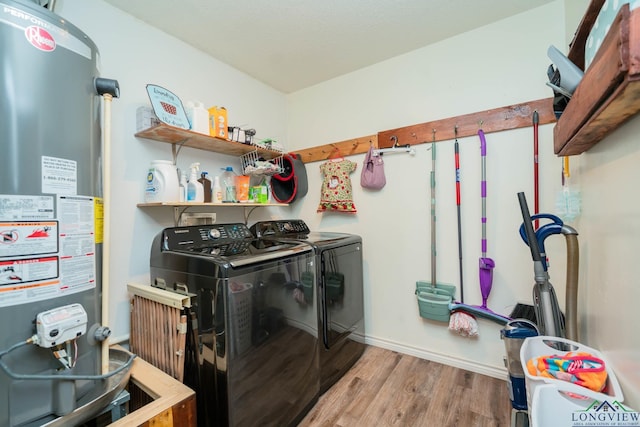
(609, 93)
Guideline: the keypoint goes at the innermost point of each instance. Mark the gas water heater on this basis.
(50, 215)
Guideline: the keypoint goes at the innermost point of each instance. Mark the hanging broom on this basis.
(434, 298)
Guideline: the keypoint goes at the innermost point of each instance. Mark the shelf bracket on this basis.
(177, 214)
(247, 214)
(175, 149)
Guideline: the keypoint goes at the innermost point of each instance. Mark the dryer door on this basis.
(342, 294)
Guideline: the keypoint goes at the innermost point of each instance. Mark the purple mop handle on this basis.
(483, 191)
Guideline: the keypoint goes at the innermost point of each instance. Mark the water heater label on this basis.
(64, 249)
(28, 238)
(15, 272)
(41, 33)
(59, 176)
(16, 207)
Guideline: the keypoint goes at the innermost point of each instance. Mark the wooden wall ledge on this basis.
(608, 94)
(495, 120)
(349, 147)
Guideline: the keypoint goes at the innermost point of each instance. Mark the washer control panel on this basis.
(205, 238)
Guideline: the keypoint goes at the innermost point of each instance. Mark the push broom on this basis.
(434, 298)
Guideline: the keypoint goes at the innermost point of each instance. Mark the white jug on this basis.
(162, 182)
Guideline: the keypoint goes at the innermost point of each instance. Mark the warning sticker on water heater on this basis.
(28, 238)
(48, 259)
(15, 272)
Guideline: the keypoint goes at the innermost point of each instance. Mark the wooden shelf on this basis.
(181, 207)
(224, 205)
(187, 138)
(609, 93)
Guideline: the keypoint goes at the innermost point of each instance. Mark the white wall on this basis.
(610, 242)
(136, 54)
(501, 64)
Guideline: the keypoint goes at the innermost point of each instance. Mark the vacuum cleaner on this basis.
(549, 318)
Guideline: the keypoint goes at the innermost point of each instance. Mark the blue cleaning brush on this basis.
(568, 202)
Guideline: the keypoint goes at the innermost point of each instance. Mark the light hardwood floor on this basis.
(386, 388)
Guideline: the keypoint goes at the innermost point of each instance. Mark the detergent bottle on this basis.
(162, 182)
(195, 191)
(198, 116)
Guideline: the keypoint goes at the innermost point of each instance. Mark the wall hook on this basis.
(455, 132)
(395, 148)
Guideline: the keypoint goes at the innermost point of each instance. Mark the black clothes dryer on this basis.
(339, 282)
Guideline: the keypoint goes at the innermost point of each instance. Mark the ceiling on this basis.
(294, 44)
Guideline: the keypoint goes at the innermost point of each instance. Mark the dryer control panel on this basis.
(280, 228)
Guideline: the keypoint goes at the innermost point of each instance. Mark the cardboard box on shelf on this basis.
(145, 118)
(218, 122)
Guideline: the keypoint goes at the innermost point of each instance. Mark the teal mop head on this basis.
(568, 202)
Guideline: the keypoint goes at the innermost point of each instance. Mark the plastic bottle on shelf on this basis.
(265, 192)
(216, 194)
(195, 191)
(198, 116)
(243, 182)
(228, 185)
(183, 187)
(206, 187)
(162, 182)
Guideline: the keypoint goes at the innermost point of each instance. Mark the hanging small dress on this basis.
(336, 193)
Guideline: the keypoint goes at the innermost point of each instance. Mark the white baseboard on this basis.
(469, 365)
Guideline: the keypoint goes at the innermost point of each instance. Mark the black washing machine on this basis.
(339, 280)
(256, 341)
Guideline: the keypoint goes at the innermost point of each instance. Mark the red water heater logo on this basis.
(40, 38)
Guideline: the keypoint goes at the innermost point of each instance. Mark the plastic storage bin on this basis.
(553, 405)
(241, 315)
(557, 397)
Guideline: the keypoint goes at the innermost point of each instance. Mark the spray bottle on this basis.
(183, 187)
(195, 191)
